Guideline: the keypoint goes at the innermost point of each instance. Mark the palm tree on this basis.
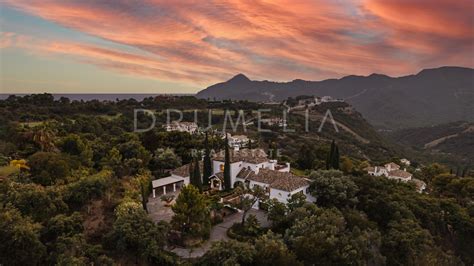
(44, 138)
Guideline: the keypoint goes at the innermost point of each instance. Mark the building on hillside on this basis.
(179, 177)
(401, 175)
(420, 185)
(311, 101)
(328, 99)
(393, 171)
(189, 127)
(389, 170)
(237, 141)
(275, 121)
(252, 167)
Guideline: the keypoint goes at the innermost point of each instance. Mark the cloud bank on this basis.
(206, 41)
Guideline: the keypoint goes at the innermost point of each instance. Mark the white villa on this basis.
(251, 167)
(237, 141)
(393, 171)
(189, 127)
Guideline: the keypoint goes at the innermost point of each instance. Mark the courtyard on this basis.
(158, 211)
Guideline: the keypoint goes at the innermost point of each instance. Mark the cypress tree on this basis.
(335, 160)
(330, 158)
(197, 182)
(207, 164)
(191, 169)
(227, 179)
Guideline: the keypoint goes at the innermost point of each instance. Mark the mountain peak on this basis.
(239, 78)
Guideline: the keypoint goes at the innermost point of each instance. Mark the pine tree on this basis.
(197, 175)
(207, 164)
(227, 179)
(191, 214)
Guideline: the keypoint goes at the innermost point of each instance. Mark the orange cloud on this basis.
(203, 42)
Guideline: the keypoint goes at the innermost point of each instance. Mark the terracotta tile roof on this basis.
(245, 173)
(219, 175)
(279, 180)
(420, 185)
(393, 166)
(399, 173)
(289, 183)
(183, 171)
(245, 155)
(265, 176)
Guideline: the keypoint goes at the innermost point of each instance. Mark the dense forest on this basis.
(75, 179)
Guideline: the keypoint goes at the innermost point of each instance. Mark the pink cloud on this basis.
(279, 39)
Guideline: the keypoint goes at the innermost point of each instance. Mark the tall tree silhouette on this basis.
(335, 159)
(330, 155)
(207, 164)
(196, 176)
(332, 161)
(227, 179)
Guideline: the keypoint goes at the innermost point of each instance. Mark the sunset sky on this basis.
(153, 46)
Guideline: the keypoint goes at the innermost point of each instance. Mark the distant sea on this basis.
(99, 96)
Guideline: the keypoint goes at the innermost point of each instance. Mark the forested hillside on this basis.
(75, 180)
(432, 96)
(455, 139)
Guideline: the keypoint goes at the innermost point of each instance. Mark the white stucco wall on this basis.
(283, 196)
(280, 195)
(234, 169)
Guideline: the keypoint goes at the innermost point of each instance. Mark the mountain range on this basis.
(430, 97)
